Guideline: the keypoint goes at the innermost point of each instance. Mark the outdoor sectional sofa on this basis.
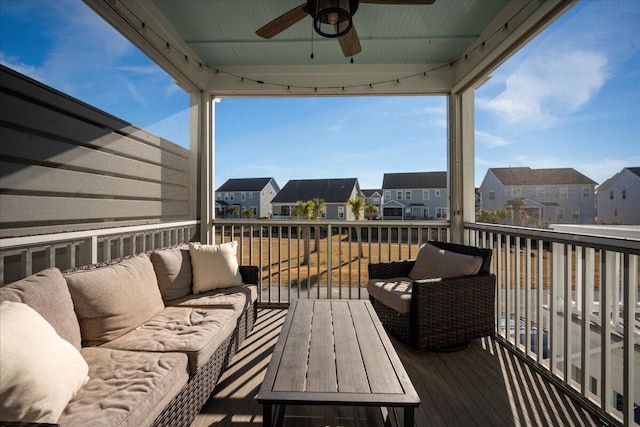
(129, 343)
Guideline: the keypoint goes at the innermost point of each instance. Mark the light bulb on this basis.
(332, 18)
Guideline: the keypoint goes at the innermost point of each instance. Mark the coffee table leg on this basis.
(267, 416)
(408, 417)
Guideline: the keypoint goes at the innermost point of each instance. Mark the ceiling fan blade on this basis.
(282, 22)
(350, 43)
(399, 2)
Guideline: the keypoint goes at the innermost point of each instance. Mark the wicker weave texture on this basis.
(445, 312)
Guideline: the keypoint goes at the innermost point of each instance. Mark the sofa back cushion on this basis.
(114, 299)
(433, 262)
(173, 271)
(46, 292)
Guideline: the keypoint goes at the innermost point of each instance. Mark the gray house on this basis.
(618, 198)
(415, 195)
(373, 197)
(335, 193)
(246, 193)
(558, 195)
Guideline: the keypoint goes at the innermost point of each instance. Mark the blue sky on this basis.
(569, 99)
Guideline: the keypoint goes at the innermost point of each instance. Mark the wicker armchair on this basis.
(445, 314)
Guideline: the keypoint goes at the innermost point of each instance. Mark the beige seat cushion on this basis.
(395, 293)
(197, 332)
(214, 266)
(112, 300)
(173, 270)
(47, 293)
(238, 298)
(125, 389)
(39, 370)
(433, 262)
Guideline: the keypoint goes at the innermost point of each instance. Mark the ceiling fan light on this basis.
(332, 18)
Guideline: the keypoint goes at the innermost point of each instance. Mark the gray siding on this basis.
(613, 208)
(66, 166)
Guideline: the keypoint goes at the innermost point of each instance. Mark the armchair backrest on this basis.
(468, 250)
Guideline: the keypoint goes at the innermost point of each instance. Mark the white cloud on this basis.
(491, 141)
(547, 87)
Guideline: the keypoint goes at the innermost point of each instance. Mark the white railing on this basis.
(569, 304)
(22, 256)
(324, 258)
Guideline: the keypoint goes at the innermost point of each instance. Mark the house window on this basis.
(610, 195)
(441, 213)
(341, 212)
(376, 200)
(586, 193)
(540, 193)
(251, 195)
(218, 196)
(387, 195)
(425, 213)
(425, 194)
(243, 196)
(575, 213)
(437, 193)
(226, 196)
(560, 214)
(407, 195)
(564, 192)
(516, 192)
(231, 196)
(255, 210)
(399, 194)
(492, 195)
(624, 194)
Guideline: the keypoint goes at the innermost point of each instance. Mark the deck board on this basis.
(483, 384)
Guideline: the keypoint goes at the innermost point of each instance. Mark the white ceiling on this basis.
(406, 49)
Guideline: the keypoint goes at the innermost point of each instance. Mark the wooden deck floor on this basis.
(482, 385)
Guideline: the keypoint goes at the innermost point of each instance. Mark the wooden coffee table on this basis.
(335, 352)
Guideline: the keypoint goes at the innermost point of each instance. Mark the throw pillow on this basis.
(433, 262)
(214, 266)
(40, 370)
(114, 299)
(173, 270)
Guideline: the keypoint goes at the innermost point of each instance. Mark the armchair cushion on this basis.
(395, 293)
(433, 262)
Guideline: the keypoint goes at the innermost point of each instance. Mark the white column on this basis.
(461, 167)
(203, 125)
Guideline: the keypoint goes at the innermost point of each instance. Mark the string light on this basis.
(145, 30)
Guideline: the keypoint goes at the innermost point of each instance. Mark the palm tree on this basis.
(317, 207)
(247, 213)
(357, 204)
(515, 205)
(232, 211)
(302, 210)
(371, 210)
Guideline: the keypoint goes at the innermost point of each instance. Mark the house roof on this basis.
(553, 176)
(605, 185)
(245, 184)
(337, 190)
(370, 192)
(414, 180)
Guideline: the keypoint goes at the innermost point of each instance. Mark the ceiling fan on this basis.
(331, 19)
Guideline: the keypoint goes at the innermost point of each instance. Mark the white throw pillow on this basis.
(433, 262)
(40, 371)
(214, 266)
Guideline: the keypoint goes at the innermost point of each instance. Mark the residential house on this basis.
(415, 195)
(246, 193)
(556, 195)
(373, 197)
(335, 193)
(618, 198)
